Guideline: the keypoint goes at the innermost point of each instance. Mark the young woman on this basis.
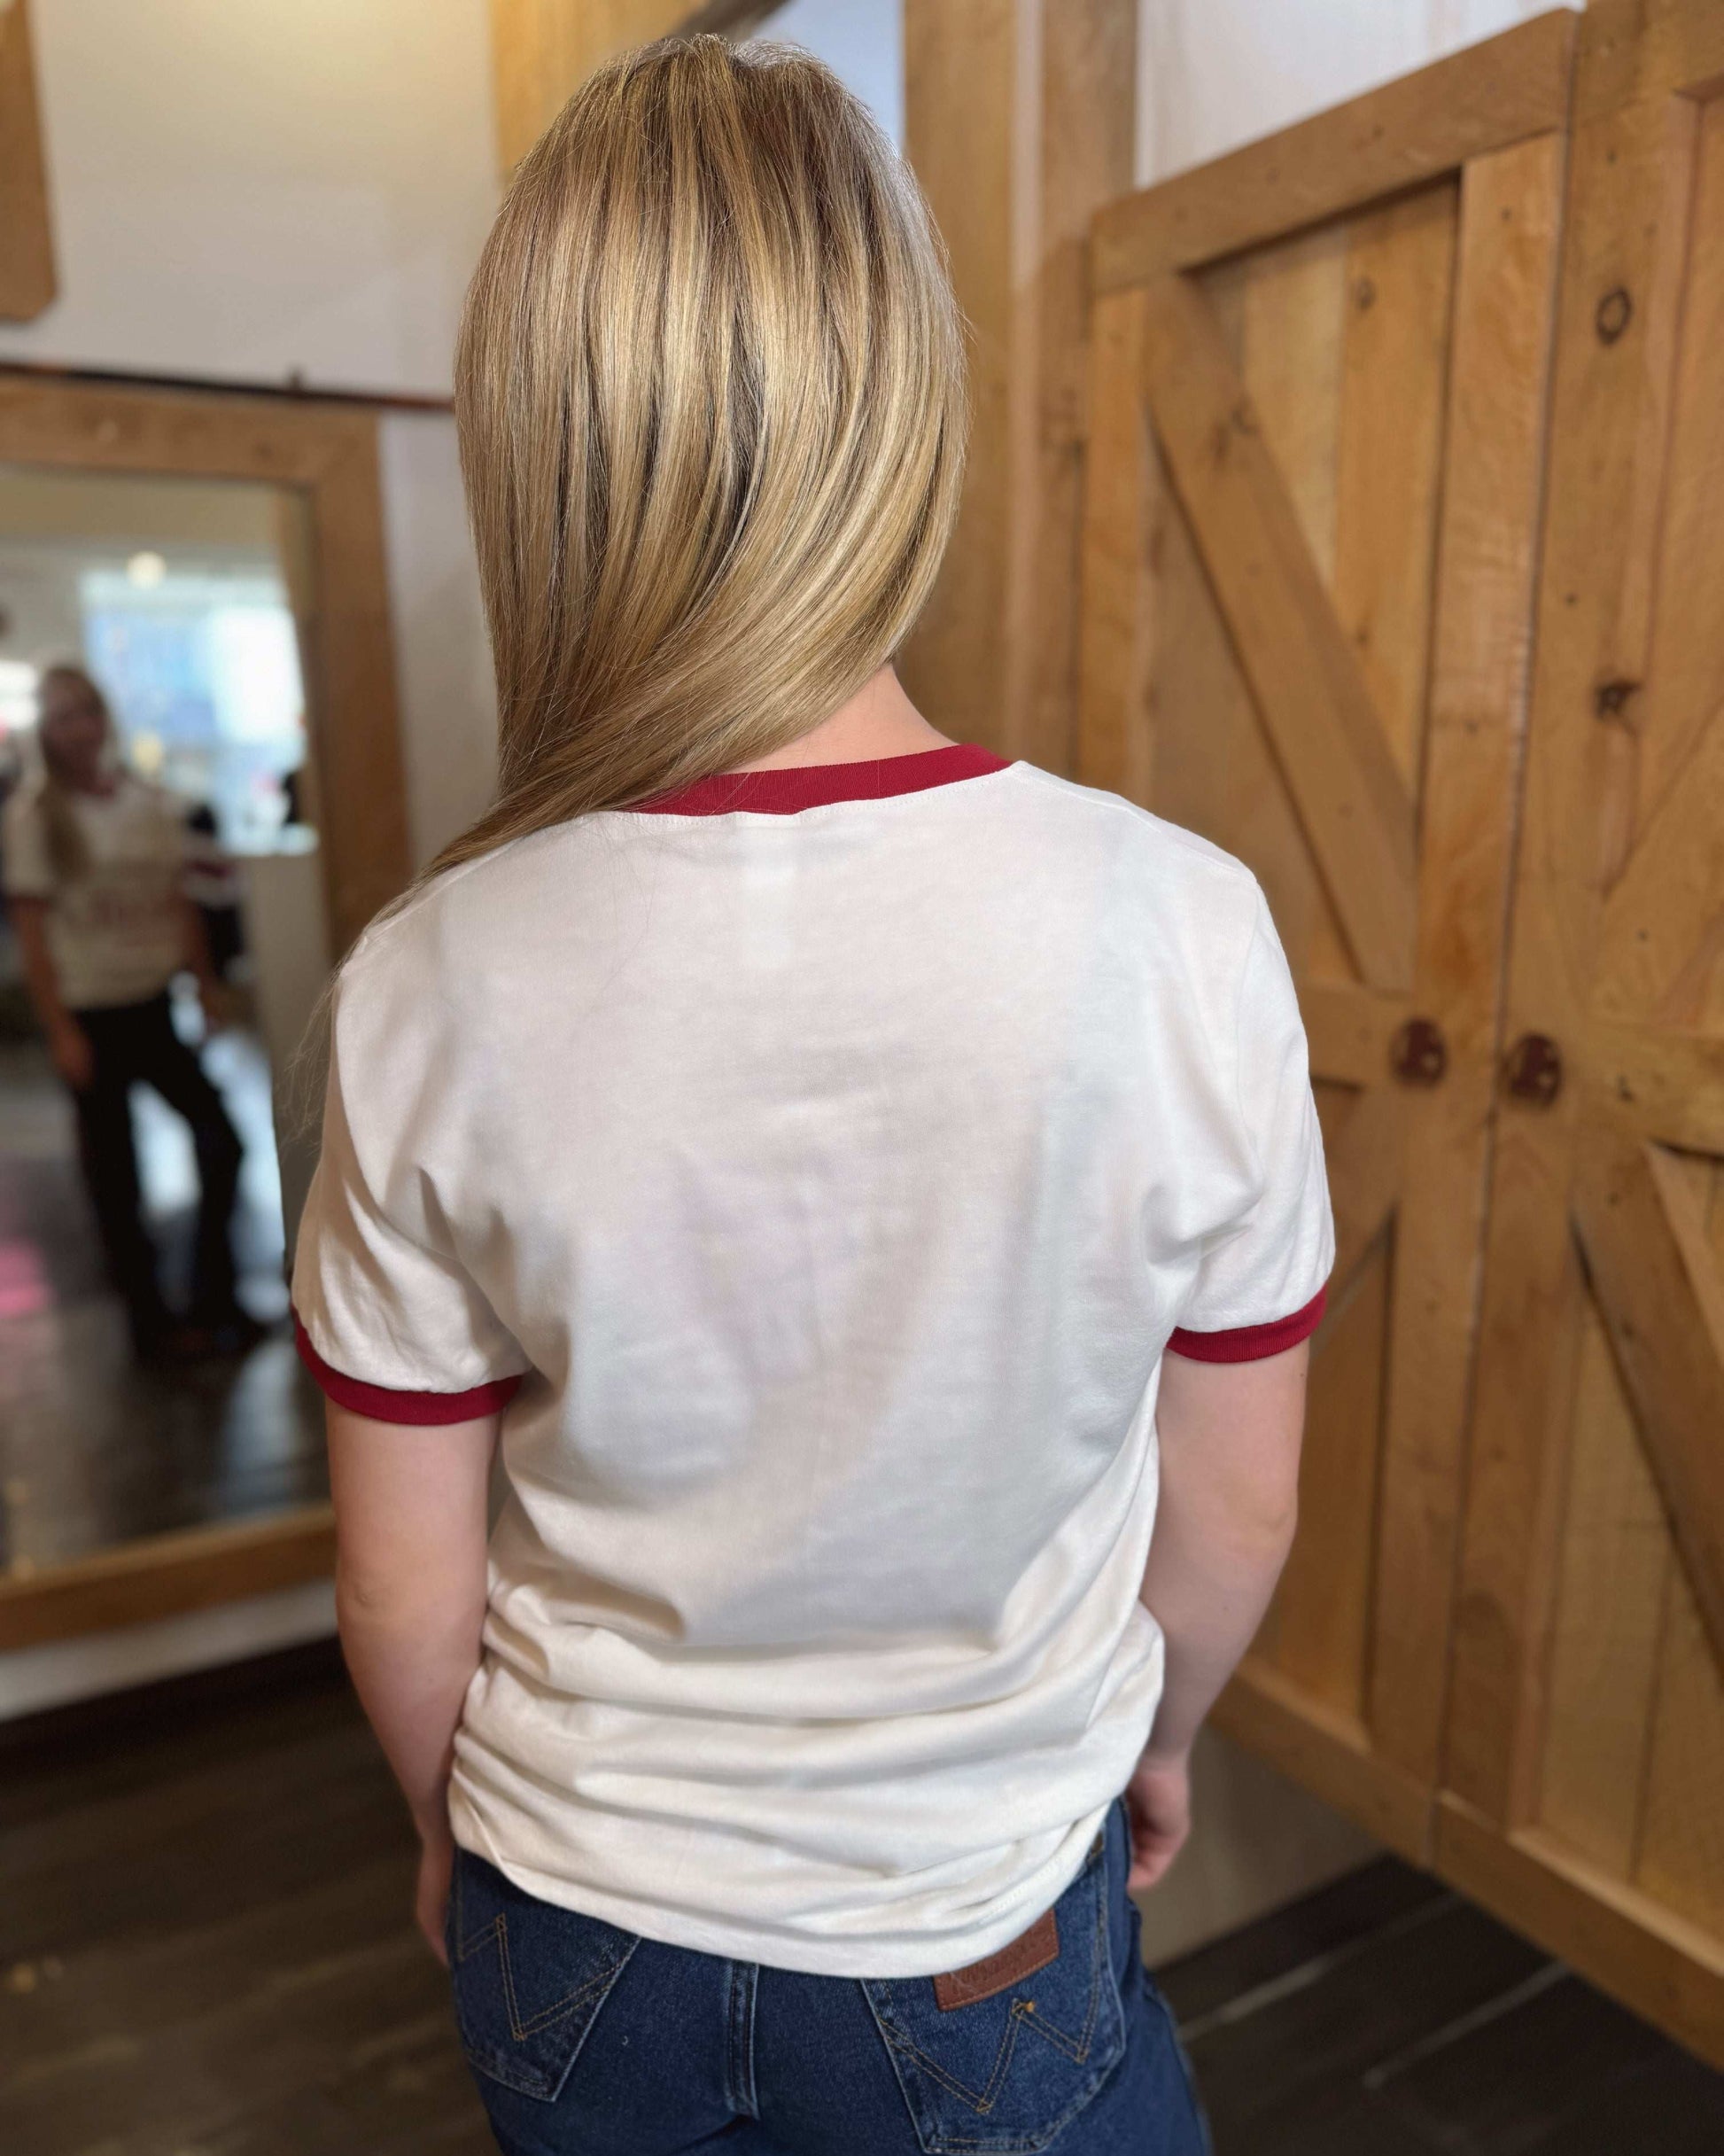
(863, 1194)
(95, 861)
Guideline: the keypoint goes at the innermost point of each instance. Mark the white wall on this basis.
(1214, 73)
(258, 190)
(442, 657)
(861, 41)
(243, 188)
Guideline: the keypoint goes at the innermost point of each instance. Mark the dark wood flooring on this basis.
(205, 1950)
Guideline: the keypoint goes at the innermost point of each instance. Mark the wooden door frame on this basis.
(1019, 123)
(28, 282)
(328, 453)
(1583, 1200)
(1495, 116)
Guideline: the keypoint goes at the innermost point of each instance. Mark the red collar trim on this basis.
(797, 786)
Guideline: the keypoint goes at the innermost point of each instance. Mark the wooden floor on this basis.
(205, 1951)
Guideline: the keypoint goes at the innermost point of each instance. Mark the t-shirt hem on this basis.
(391, 1404)
(882, 1956)
(1245, 1343)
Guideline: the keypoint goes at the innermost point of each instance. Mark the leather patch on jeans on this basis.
(1031, 1950)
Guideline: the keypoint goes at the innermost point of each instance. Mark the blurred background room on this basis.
(1348, 429)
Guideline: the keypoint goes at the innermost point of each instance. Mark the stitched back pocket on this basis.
(1005, 2071)
(529, 1978)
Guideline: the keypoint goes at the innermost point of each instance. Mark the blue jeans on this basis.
(587, 2041)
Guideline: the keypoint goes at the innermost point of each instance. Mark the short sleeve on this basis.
(387, 1319)
(1261, 1282)
(29, 874)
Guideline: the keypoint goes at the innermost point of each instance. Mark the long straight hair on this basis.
(710, 392)
(68, 849)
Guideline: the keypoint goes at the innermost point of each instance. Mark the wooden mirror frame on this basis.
(26, 245)
(328, 451)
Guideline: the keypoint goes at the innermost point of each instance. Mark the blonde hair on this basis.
(68, 849)
(710, 392)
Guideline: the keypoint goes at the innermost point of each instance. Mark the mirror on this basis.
(157, 643)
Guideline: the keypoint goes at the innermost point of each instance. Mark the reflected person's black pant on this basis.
(135, 1044)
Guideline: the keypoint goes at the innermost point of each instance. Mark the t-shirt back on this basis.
(816, 1184)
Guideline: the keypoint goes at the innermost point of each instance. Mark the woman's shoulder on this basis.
(23, 803)
(442, 937)
(1142, 859)
(133, 792)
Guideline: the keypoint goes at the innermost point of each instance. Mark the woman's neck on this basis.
(101, 781)
(878, 720)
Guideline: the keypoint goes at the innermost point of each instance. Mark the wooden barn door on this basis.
(1585, 1759)
(1318, 416)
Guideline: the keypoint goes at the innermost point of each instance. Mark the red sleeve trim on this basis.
(384, 1403)
(1250, 1343)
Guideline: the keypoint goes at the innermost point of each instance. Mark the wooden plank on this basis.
(1491, 486)
(1113, 748)
(1670, 1084)
(541, 51)
(1080, 155)
(1529, 1325)
(963, 123)
(1663, 1302)
(1365, 1164)
(1668, 549)
(1319, 1632)
(1651, 1958)
(1417, 128)
(1303, 675)
(166, 1576)
(1327, 1752)
(1286, 304)
(1017, 122)
(1636, 49)
(1663, 933)
(363, 779)
(1292, 310)
(28, 282)
(1278, 313)
(1681, 1857)
(1350, 1031)
(1617, 196)
(1608, 1625)
(1400, 275)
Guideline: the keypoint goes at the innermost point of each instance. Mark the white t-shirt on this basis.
(116, 932)
(815, 1167)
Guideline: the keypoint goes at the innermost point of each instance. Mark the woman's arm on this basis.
(1230, 1435)
(410, 1582)
(67, 1042)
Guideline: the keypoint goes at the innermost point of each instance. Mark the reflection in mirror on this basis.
(164, 941)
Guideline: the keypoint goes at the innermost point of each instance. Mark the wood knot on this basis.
(1610, 699)
(1365, 294)
(1615, 311)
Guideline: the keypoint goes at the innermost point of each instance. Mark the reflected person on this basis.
(94, 862)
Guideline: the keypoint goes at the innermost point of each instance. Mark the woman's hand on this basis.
(215, 1001)
(437, 1858)
(1159, 1799)
(74, 1058)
